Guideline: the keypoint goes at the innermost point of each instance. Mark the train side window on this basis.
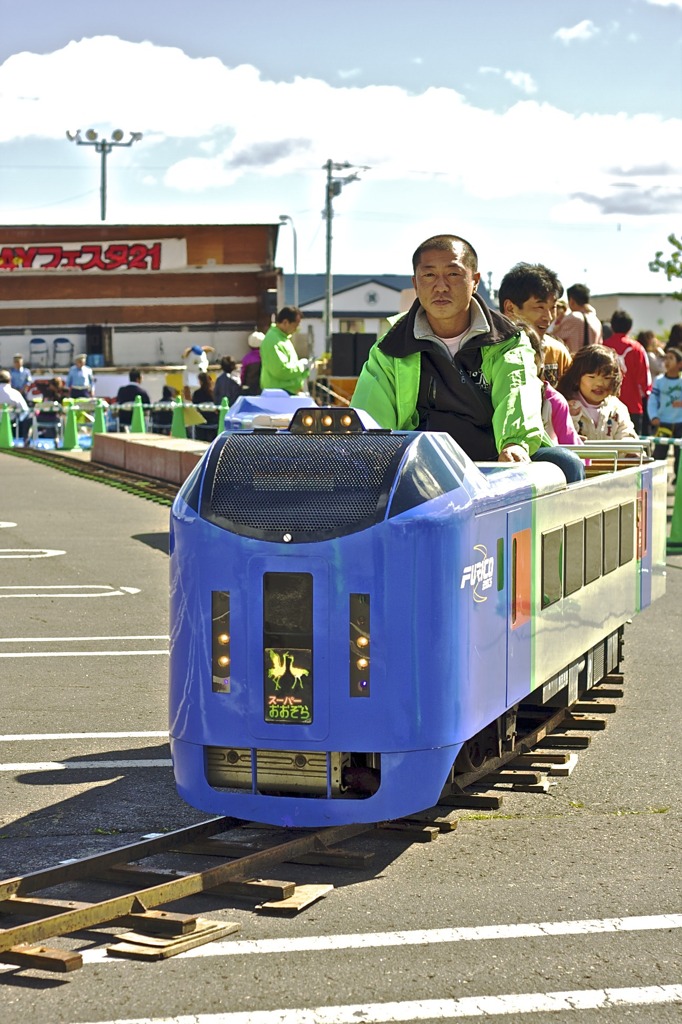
(611, 539)
(574, 557)
(552, 566)
(627, 532)
(593, 548)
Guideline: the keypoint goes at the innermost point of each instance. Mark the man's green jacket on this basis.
(280, 364)
(388, 388)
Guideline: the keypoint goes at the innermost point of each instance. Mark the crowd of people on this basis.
(512, 385)
(518, 384)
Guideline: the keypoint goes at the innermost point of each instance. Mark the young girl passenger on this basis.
(592, 385)
(556, 416)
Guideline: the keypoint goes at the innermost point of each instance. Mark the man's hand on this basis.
(513, 453)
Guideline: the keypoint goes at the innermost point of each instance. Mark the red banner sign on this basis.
(115, 256)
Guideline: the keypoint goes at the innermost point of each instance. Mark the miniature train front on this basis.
(349, 606)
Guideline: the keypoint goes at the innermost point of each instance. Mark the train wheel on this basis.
(477, 750)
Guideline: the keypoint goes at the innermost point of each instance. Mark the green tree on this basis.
(672, 266)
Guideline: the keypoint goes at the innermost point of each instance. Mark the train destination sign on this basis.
(288, 686)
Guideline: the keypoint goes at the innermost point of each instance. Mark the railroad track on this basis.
(245, 851)
(143, 487)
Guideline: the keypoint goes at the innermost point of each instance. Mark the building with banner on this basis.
(134, 295)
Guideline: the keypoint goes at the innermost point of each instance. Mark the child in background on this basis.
(665, 405)
(592, 385)
(556, 416)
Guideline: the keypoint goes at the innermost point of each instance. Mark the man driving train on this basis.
(452, 364)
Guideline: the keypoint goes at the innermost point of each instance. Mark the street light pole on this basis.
(103, 147)
(334, 186)
(285, 219)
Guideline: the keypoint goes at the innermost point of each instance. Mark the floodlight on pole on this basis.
(286, 219)
(333, 189)
(103, 147)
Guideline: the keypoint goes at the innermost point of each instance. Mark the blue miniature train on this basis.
(353, 610)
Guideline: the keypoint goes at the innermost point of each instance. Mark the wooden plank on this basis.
(583, 722)
(596, 707)
(535, 757)
(515, 778)
(567, 742)
(257, 888)
(472, 801)
(541, 787)
(415, 831)
(336, 859)
(43, 958)
(609, 692)
(302, 898)
(564, 769)
(134, 946)
(444, 825)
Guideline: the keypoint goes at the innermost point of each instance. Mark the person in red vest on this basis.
(634, 365)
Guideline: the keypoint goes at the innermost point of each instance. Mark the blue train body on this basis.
(349, 607)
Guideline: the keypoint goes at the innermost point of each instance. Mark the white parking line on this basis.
(79, 654)
(76, 639)
(427, 937)
(30, 552)
(21, 737)
(58, 766)
(57, 590)
(437, 1009)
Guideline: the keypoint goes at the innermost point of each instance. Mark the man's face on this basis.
(18, 362)
(444, 285)
(290, 326)
(539, 313)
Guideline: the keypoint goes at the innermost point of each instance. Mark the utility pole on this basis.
(334, 186)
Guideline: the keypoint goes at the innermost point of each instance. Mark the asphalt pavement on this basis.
(558, 907)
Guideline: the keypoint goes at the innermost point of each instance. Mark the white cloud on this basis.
(583, 31)
(666, 3)
(350, 73)
(488, 70)
(522, 80)
(224, 125)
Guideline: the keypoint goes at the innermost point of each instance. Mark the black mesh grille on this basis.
(301, 484)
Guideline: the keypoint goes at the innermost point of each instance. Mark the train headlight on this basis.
(326, 420)
(220, 641)
(359, 637)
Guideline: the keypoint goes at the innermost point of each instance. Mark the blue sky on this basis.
(541, 131)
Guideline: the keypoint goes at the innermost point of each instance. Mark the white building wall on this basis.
(649, 312)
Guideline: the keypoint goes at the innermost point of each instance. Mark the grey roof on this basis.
(311, 287)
